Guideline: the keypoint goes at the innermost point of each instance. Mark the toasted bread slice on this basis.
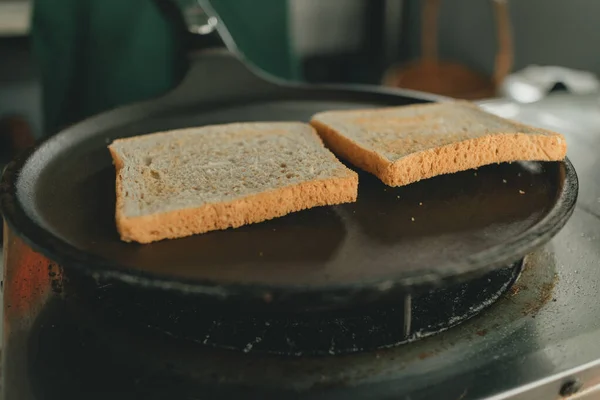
(189, 181)
(402, 145)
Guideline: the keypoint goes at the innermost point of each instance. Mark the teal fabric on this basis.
(95, 55)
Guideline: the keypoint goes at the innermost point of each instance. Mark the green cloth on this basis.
(95, 55)
(261, 31)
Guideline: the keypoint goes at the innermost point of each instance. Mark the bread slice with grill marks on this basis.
(402, 145)
(183, 182)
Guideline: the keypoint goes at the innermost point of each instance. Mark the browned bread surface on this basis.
(178, 183)
(402, 145)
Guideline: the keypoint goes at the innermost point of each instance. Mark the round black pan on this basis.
(60, 198)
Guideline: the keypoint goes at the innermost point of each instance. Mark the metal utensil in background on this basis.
(534, 82)
(448, 78)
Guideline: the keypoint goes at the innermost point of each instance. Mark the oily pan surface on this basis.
(67, 187)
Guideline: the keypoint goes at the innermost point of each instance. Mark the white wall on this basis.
(546, 32)
(324, 26)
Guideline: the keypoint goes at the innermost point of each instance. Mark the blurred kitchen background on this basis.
(359, 40)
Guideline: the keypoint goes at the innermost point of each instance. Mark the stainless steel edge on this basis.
(577, 383)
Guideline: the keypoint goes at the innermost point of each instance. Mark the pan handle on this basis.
(212, 52)
(204, 27)
(218, 72)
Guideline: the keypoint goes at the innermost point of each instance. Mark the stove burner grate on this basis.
(316, 334)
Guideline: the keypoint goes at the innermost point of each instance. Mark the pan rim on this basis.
(67, 255)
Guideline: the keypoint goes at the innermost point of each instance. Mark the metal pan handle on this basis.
(204, 26)
(218, 71)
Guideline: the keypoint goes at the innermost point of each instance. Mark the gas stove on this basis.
(534, 336)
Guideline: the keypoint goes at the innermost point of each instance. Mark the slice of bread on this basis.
(188, 181)
(402, 145)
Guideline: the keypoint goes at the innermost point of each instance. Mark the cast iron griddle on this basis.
(61, 198)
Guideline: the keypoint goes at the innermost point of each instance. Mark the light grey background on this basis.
(546, 32)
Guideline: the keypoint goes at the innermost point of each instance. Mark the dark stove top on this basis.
(74, 354)
(535, 341)
(355, 330)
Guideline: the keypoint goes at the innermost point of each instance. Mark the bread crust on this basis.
(217, 216)
(454, 157)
